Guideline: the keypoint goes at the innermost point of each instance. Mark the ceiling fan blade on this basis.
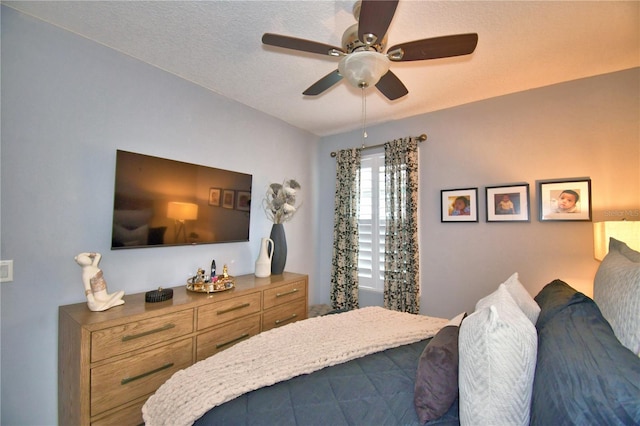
(434, 48)
(299, 44)
(323, 84)
(375, 18)
(391, 86)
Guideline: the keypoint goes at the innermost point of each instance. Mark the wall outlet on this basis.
(6, 271)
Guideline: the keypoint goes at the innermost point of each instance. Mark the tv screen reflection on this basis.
(162, 202)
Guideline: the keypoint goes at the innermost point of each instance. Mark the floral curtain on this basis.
(344, 268)
(401, 277)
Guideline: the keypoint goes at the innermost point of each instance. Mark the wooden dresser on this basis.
(110, 362)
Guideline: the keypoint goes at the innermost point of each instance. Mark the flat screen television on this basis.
(161, 202)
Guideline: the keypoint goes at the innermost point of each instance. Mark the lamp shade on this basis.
(182, 211)
(363, 68)
(623, 230)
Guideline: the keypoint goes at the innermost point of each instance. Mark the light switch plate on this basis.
(6, 271)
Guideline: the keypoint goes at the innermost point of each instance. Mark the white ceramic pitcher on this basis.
(263, 264)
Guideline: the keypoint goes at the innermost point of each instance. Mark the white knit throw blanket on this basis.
(280, 354)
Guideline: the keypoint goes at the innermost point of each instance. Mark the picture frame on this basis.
(243, 200)
(228, 197)
(214, 196)
(508, 203)
(467, 201)
(564, 200)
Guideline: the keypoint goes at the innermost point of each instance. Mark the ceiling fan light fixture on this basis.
(364, 68)
(362, 60)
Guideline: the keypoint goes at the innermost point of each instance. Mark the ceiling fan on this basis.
(362, 62)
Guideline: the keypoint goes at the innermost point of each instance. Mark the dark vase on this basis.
(279, 257)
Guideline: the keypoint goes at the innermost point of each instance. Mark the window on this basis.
(371, 222)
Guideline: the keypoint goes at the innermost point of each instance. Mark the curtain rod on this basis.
(421, 138)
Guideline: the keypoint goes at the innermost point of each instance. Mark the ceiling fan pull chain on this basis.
(364, 117)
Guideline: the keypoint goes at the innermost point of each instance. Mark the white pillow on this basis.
(616, 290)
(132, 219)
(497, 348)
(522, 297)
(131, 237)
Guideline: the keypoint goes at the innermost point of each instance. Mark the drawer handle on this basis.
(295, 290)
(235, 308)
(278, 322)
(128, 337)
(237, 339)
(148, 373)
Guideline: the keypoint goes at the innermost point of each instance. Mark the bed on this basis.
(552, 359)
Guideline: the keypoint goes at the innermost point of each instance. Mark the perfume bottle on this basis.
(213, 269)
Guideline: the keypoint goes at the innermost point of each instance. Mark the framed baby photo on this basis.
(508, 203)
(561, 200)
(227, 198)
(243, 200)
(214, 196)
(459, 205)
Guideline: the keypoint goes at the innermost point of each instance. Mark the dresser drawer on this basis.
(284, 294)
(210, 342)
(130, 416)
(284, 314)
(122, 381)
(227, 310)
(139, 334)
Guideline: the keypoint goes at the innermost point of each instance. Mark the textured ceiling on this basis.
(216, 44)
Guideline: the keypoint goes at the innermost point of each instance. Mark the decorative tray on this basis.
(223, 284)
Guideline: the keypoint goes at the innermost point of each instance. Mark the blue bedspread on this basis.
(373, 390)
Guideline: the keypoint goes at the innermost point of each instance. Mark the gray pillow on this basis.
(616, 290)
(436, 386)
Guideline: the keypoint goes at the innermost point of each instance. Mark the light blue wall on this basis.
(67, 105)
(584, 128)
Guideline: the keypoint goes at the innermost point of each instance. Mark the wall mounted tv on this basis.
(161, 202)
